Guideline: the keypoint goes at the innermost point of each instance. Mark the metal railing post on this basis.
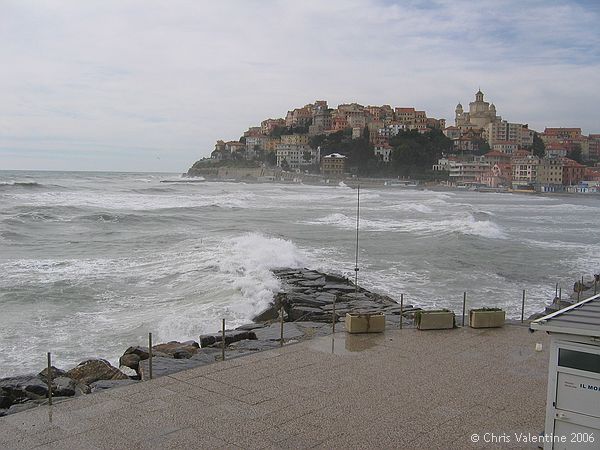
(223, 340)
(150, 355)
(401, 308)
(49, 378)
(281, 326)
(464, 307)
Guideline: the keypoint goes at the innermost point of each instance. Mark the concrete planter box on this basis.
(365, 323)
(435, 320)
(481, 318)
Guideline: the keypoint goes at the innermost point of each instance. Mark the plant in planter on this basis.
(486, 317)
(437, 319)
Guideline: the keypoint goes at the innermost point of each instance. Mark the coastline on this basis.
(286, 178)
(309, 303)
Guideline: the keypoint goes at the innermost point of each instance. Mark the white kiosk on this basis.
(573, 402)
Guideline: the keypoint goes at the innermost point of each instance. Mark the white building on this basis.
(383, 152)
(463, 171)
(391, 130)
(295, 155)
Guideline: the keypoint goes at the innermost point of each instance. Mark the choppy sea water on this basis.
(91, 262)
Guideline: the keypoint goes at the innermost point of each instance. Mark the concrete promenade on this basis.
(402, 389)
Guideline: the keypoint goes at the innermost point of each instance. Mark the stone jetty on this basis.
(306, 300)
(309, 302)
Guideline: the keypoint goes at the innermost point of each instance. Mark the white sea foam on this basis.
(465, 225)
(411, 206)
(242, 285)
(139, 202)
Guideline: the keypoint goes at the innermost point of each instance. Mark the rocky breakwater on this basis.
(309, 301)
(27, 391)
(306, 301)
(582, 289)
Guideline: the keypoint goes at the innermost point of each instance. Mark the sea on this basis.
(90, 263)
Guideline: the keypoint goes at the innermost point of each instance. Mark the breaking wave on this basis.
(467, 225)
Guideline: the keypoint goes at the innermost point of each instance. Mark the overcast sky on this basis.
(150, 86)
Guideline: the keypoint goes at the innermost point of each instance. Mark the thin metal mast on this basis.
(357, 223)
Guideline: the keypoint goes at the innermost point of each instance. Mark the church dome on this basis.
(459, 106)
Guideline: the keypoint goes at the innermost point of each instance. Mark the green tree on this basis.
(482, 147)
(285, 165)
(538, 147)
(271, 158)
(575, 154)
(414, 153)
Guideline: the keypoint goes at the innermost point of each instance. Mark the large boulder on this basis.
(68, 387)
(142, 352)
(304, 313)
(21, 388)
(94, 370)
(130, 360)
(54, 372)
(206, 340)
(178, 350)
(267, 314)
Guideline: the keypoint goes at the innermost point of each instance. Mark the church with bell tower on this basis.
(480, 115)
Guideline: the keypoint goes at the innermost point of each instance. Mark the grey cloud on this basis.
(166, 79)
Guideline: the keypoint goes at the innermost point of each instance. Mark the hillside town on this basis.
(481, 149)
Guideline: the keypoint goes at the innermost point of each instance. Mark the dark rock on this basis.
(22, 388)
(130, 360)
(365, 304)
(305, 300)
(64, 387)
(251, 326)
(356, 296)
(94, 370)
(270, 313)
(303, 313)
(312, 275)
(339, 287)
(37, 390)
(142, 352)
(109, 384)
(326, 297)
(192, 343)
(5, 401)
(53, 371)
(231, 336)
(336, 278)
(313, 283)
(207, 340)
(172, 348)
